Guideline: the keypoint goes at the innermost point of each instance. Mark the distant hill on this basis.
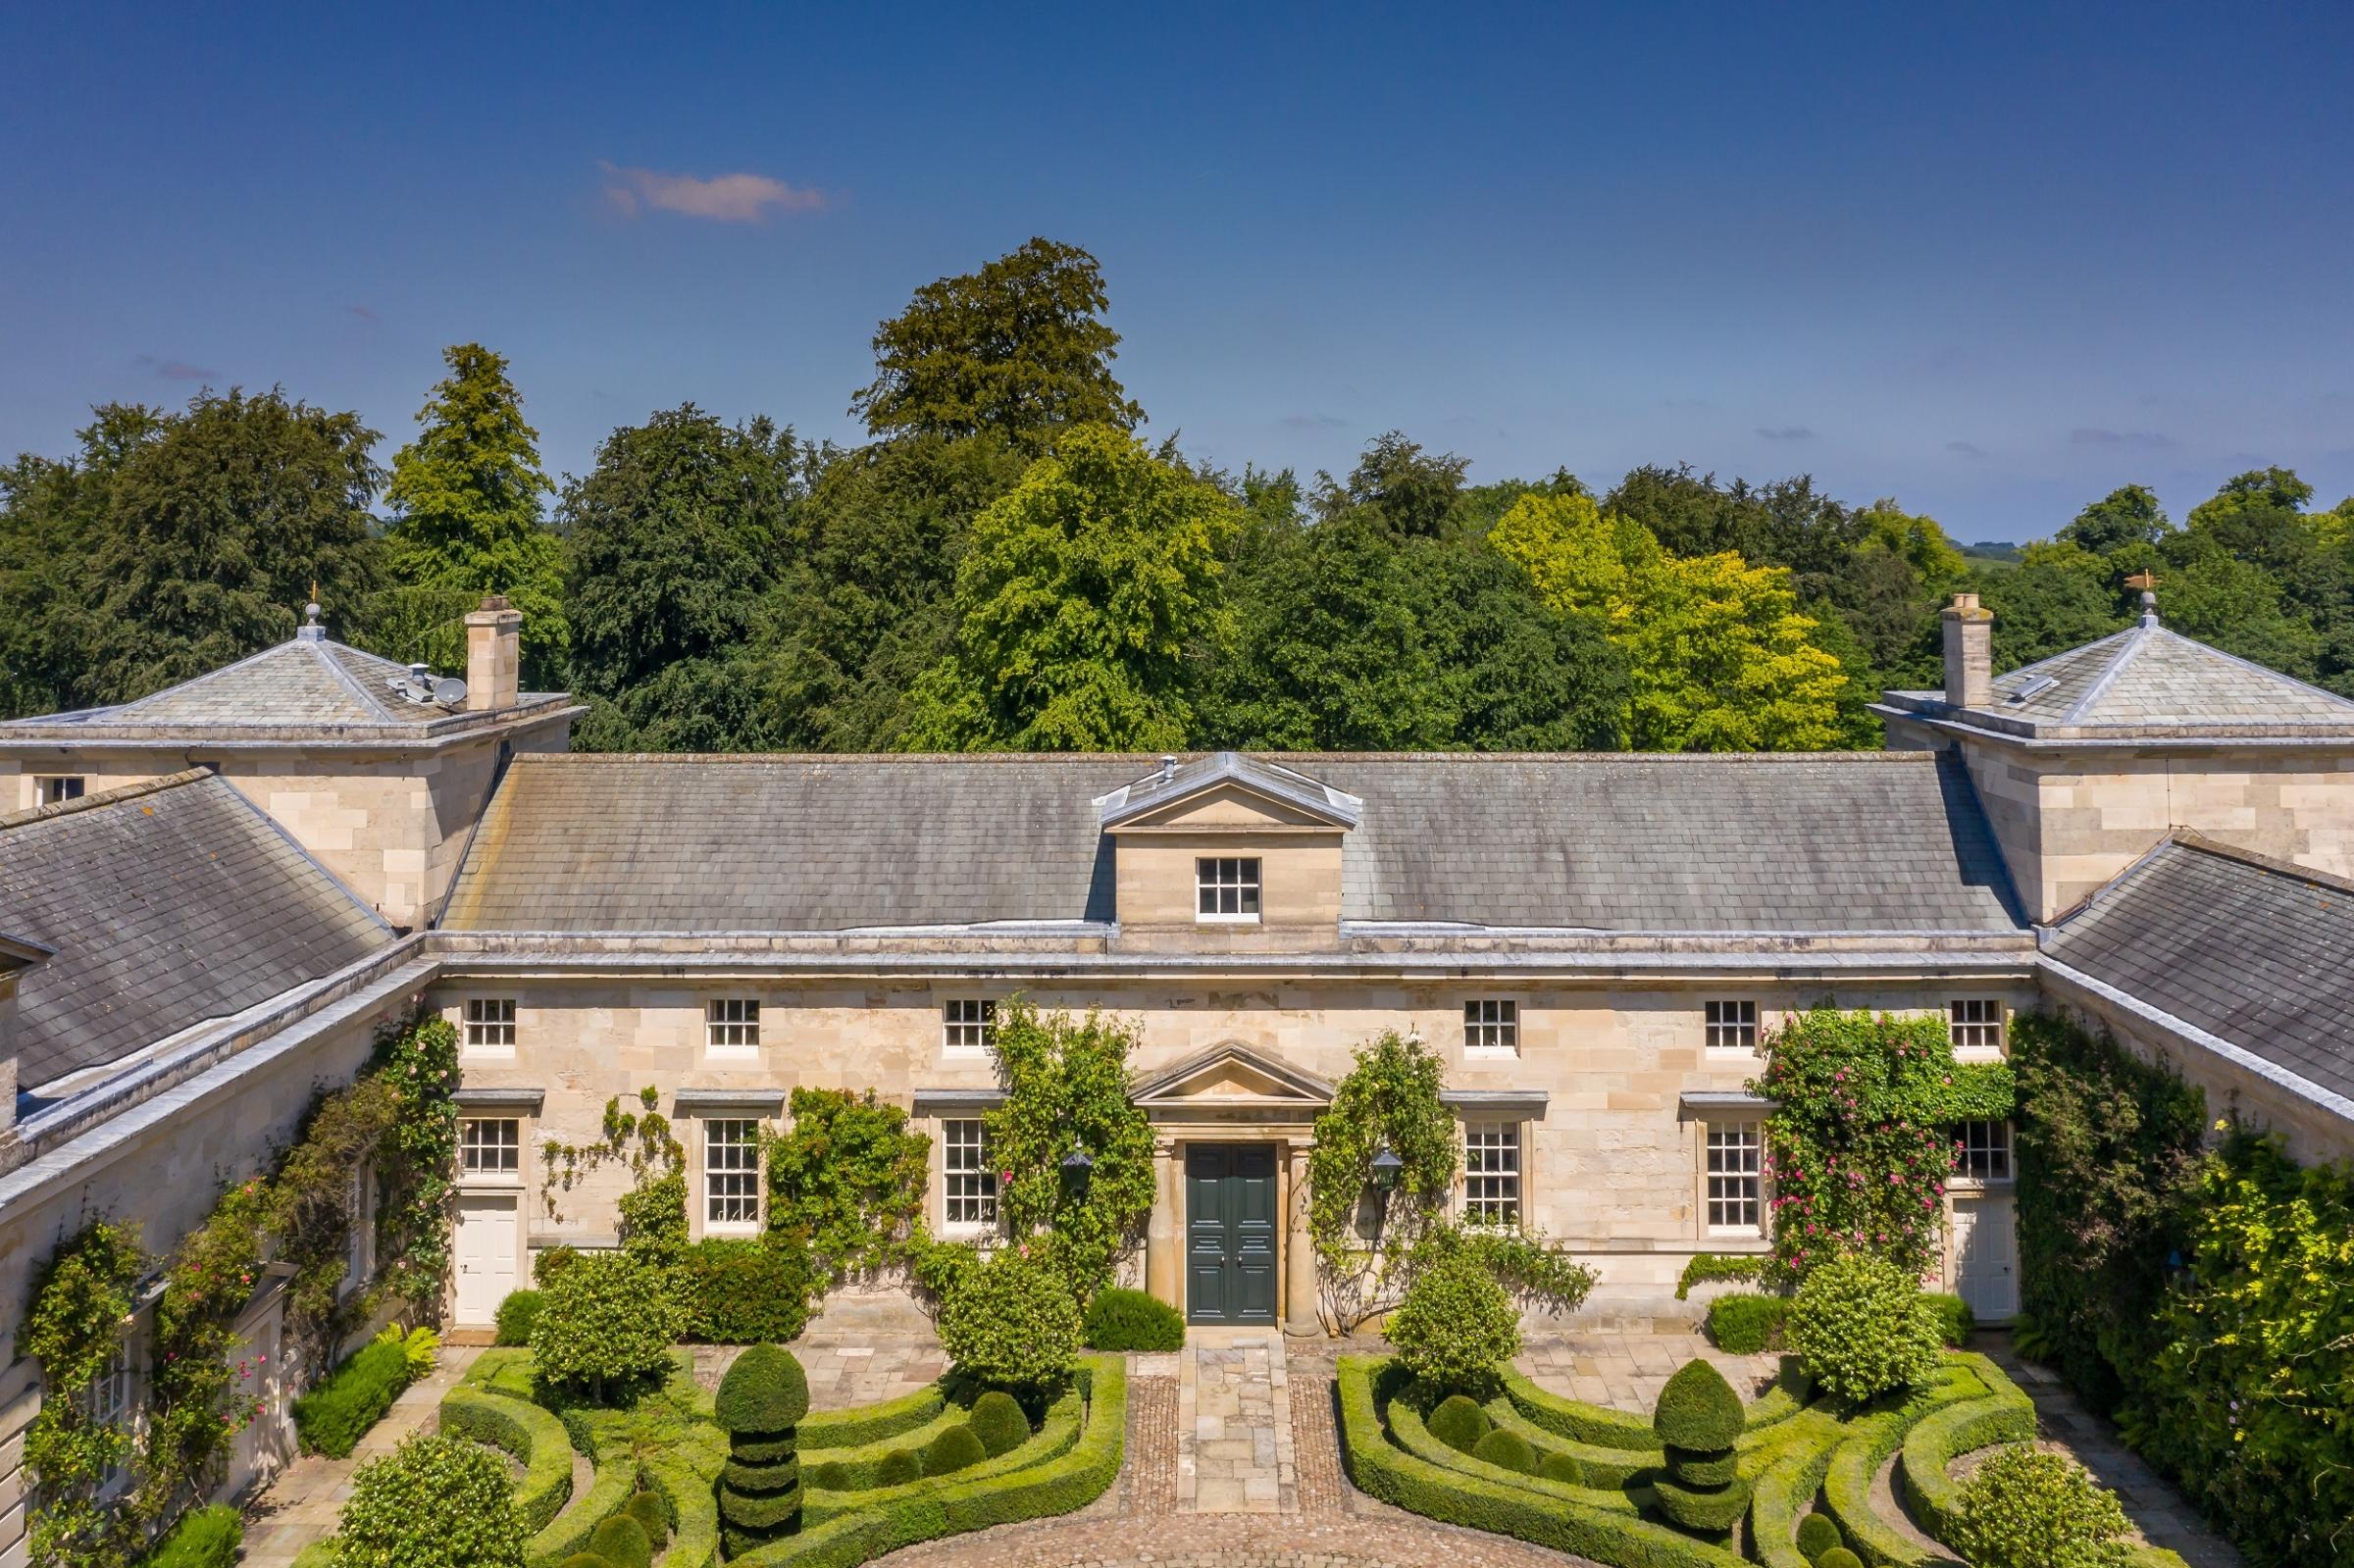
(1993, 551)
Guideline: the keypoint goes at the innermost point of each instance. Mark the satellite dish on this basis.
(450, 691)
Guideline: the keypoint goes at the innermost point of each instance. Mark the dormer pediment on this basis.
(1234, 1077)
(1226, 791)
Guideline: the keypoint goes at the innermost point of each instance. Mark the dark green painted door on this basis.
(1230, 1232)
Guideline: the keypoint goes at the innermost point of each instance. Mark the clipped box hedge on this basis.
(2004, 1416)
(1055, 1437)
(332, 1418)
(694, 1514)
(967, 1501)
(1513, 1507)
(870, 1423)
(607, 1495)
(1870, 1442)
(861, 1464)
(527, 1433)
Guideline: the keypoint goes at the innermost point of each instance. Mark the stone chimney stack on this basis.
(493, 655)
(1968, 653)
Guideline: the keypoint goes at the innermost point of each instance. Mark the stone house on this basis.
(211, 897)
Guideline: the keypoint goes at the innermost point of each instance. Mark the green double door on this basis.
(1230, 1232)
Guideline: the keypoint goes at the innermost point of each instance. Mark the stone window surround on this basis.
(732, 1026)
(1996, 1142)
(490, 1026)
(975, 1173)
(522, 1106)
(967, 1025)
(1734, 1182)
(1979, 1027)
(1731, 1026)
(1495, 1158)
(1491, 1027)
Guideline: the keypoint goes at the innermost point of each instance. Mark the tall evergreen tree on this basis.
(467, 522)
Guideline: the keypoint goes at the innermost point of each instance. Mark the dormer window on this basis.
(1227, 888)
(55, 790)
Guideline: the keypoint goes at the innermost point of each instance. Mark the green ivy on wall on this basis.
(1859, 1146)
(847, 1182)
(79, 1309)
(1067, 1089)
(417, 1161)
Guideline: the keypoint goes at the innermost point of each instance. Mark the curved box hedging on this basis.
(695, 1531)
(1780, 1495)
(528, 1434)
(861, 1461)
(1870, 1442)
(1602, 1467)
(1592, 1425)
(1383, 1469)
(1937, 1439)
(871, 1423)
(1411, 1432)
(962, 1503)
(1055, 1438)
(607, 1495)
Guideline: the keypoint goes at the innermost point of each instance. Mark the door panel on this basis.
(1985, 1268)
(486, 1249)
(1230, 1232)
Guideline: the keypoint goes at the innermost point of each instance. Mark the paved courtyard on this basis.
(1233, 1454)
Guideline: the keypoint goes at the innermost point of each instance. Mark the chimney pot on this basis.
(493, 655)
(1969, 653)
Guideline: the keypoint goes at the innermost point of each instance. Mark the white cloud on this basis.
(722, 198)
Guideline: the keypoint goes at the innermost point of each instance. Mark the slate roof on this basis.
(306, 683)
(2148, 681)
(1890, 841)
(1174, 782)
(167, 903)
(2257, 951)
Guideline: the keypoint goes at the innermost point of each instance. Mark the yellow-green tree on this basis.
(1721, 660)
(1079, 595)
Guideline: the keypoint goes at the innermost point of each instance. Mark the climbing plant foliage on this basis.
(1068, 1088)
(419, 1160)
(847, 1182)
(80, 1310)
(1859, 1147)
(1365, 1238)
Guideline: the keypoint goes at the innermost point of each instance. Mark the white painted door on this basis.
(485, 1252)
(1986, 1258)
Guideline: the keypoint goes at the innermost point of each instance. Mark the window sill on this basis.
(1491, 1053)
(735, 1230)
(1975, 1186)
(1734, 1233)
(489, 1181)
(1971, 1055)
(1226, 920)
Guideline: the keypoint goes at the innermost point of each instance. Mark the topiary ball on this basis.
(830, 1477)
(1459, 1423)
(1698, 1409)
(621, 1541)
(652, 1517)
(998, 1422)
(765, 1391)
(897, 1467)
(1564, 1468)
(955, 1448)
(1816, 1535)
(1508, 1450)
(1838, 1558)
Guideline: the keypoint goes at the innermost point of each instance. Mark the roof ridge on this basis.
(2217, 847)
(2136, 638)
(347, 679)
(106, 797)
(1728, 759)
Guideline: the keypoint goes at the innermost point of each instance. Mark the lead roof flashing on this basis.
(1178, 783)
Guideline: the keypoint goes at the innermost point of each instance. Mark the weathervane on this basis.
(2146, 581)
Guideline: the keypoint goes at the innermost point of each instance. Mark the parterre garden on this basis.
(1710, 1482)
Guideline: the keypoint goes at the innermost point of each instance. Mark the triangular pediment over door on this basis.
(1234, 1078)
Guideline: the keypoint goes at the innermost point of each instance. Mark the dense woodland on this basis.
(1004, 565)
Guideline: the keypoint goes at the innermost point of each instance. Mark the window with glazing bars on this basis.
(968, 1184)
(1491, 1172)
(1985, 1150)
(489, 1145)
(1228, 888)
(1492, 1026)
(968, 1024)
(731, 1173)
(490, 1023)
(1976, 1024)
(1733, 1163)
(1733, 1026)
(731, 1022)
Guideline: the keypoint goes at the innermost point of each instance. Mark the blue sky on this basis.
(1990, 266)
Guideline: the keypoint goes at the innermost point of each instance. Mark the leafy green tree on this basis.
(1077, 600)
(1410, 491)
(1019, 349)
(1719, 657)
(2239, 607)
(2055, 599)
(217, 525)
(863, 610)
(466, 521)
(675, 538)
(53, 515)
(2127, 515)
